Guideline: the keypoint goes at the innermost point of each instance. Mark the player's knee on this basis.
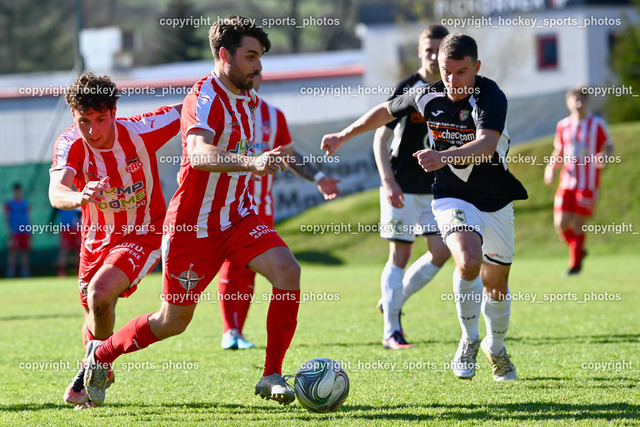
(288, 277)
(169, 325)
(439, 256)
(99, 299)
(469, 266)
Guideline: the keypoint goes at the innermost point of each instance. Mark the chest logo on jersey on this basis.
(124, 198)
(242, 147)
(133, 164)
(464, 115)
(452, 136)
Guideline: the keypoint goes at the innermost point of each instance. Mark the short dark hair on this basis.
(91, 92)
(458, 46)
(228, 33)
(434, 32)
(577, 90)
(17, 186)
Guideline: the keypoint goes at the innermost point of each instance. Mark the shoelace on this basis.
(285, 378)
(466, 355)
(502, 363)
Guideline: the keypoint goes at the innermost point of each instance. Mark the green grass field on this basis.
(575, 342)
(577, 361)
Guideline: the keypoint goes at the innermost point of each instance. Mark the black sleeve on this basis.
(400, 89)
(492, 108)
(406, 103)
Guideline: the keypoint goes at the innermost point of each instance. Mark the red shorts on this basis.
(135, 255)
(70, 240)
(20, 241)
(190, 264)
(581, 202)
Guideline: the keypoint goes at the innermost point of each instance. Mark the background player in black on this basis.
(405, 198)
(473, 191)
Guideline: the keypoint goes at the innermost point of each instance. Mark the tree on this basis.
(35, 35)
(181, 43)
(626, 65)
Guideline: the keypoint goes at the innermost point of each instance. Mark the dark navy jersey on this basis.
(487, 184)
(409, 136)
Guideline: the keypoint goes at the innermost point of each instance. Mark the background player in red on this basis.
(212, 215)
(236, 282)
(582, 144)
(405, 198)
(70, 241)
(112, 164)
(17, 214)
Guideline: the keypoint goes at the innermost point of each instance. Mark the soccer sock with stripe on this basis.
(418, 275)
(391, 286)
(133, 336)
(468, 295)
(496, 317)
(282, 319)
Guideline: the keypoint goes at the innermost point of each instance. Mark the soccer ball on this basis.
(321, 385)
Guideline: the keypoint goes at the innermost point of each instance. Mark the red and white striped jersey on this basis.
(208, 201)
(578, 142)
(271, 131)
(135, 203)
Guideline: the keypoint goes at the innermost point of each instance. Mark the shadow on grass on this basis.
(531, 411)
(41, 316)
(589, 339)
(318, 258)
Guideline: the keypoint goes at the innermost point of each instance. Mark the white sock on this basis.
(496, 317)
(391, 285)
(468, 297)
(418, 275)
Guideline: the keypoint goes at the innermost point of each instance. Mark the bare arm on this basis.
(203, 155)
(477, 151)
(63, 196)
(550, 169)
(177, 107)
(372, 119)
(387, 179)
(327, 185)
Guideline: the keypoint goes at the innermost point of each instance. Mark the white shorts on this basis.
(495, 228)
(404, 224)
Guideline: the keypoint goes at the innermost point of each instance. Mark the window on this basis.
(548, 52)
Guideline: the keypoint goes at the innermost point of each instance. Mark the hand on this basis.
(395, 196)
(331, 143)
(93, 191)
(600, 160)
(269, 162)
(549, 175)
(429, 160)
(328, 187)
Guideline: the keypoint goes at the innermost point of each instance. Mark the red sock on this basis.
(133, 336)
(90, 336)
(245, 292)
(577, 250)
(235, 288)
(226, 284)
(282, 319)
(568, 236)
